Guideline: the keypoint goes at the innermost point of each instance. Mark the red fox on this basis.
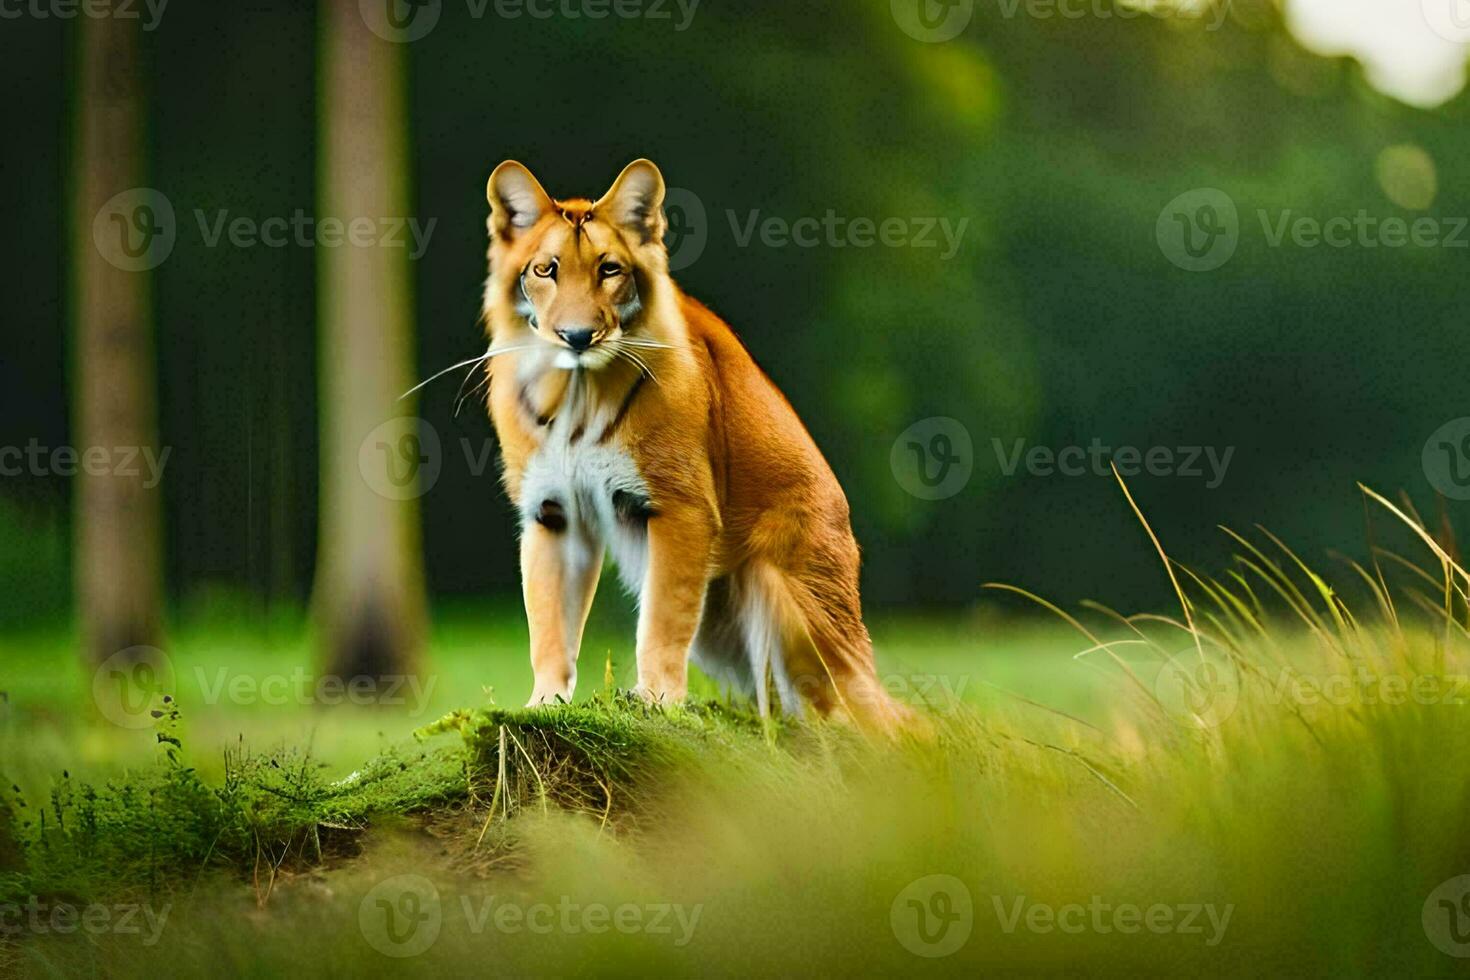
(631, 418)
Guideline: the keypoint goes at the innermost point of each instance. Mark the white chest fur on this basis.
(599, 492)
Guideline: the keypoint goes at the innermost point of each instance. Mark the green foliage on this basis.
(156, 829)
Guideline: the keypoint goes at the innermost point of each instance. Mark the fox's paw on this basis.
(542, 698)
(658, 697)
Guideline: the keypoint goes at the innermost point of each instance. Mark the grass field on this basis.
(1272, 778)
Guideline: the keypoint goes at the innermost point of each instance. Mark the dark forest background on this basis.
(1058, 321)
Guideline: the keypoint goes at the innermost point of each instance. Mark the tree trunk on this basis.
(370, 603)
(120, 232)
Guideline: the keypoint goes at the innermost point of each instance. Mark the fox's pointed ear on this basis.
(516, 200)
(636, 201)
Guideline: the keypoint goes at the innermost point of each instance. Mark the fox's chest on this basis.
(589, 494)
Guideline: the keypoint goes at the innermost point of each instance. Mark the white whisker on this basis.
(497, 351)
(464, 396)
(649, 344)
(643, 363)
(638, 362)
(492, 352)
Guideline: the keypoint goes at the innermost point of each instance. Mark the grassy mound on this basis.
(277, 811)
(601, 756)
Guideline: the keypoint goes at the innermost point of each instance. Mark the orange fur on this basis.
(744, 530)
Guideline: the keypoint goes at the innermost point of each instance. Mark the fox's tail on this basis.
(825, 656)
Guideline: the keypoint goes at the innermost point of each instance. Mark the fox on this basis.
(633, 421)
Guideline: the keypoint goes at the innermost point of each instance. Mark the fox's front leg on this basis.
(560, 565)
(680, 542)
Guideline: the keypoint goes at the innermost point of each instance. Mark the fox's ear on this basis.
(516, 200)
(636, 201)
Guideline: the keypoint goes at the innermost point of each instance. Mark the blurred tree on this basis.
(119, 232)
(370, 592)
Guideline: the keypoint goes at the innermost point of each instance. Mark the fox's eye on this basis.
(609, 269)
(546, 270)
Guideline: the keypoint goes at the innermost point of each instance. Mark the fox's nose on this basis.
(577, 338)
